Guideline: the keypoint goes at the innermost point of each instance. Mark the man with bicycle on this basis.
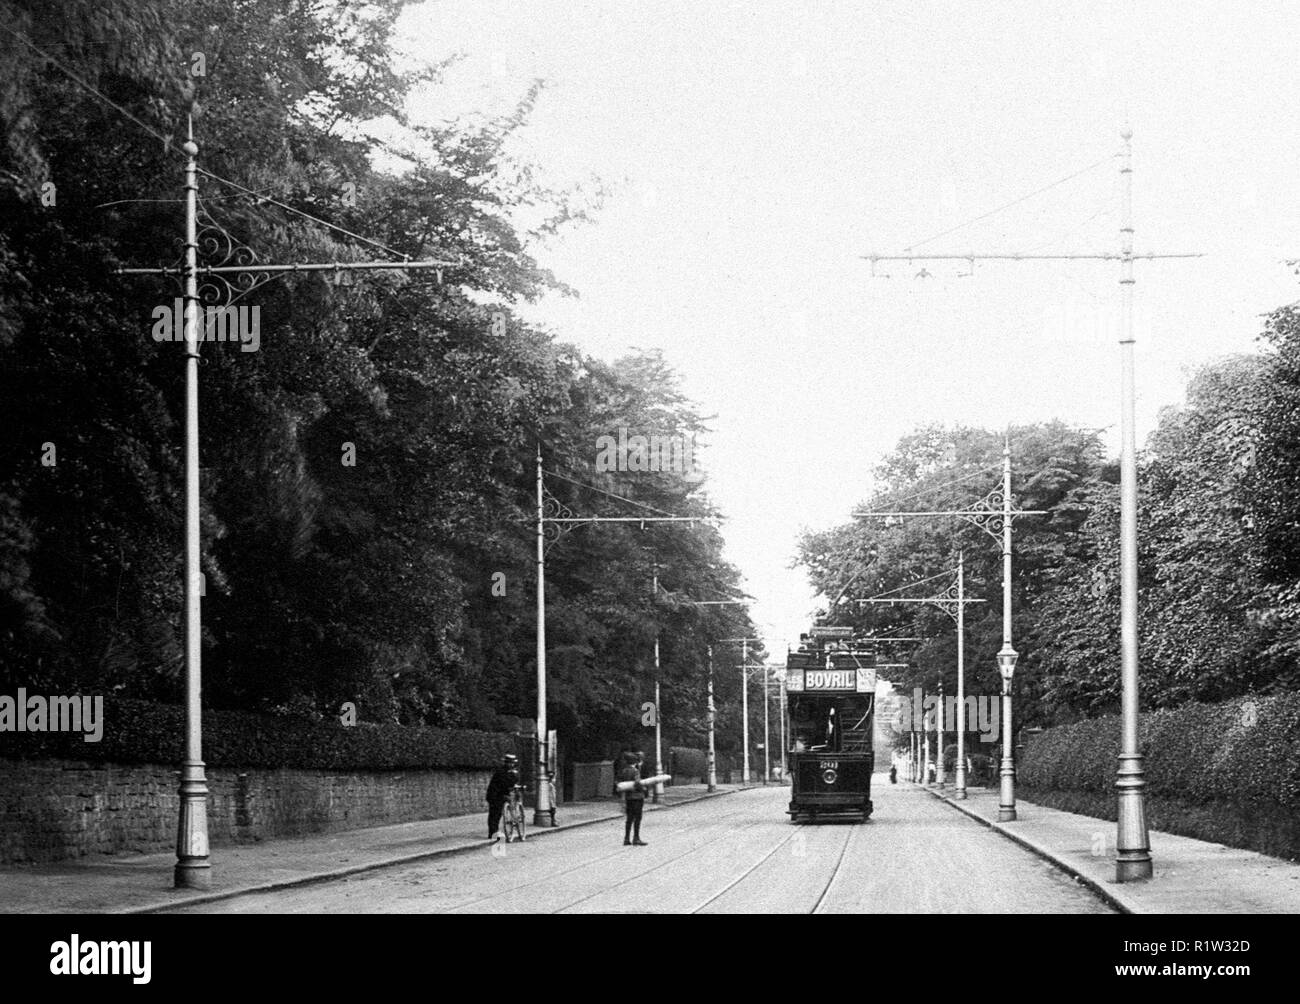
(504, 779)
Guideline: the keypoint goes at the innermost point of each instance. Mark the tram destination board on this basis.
(830, 631)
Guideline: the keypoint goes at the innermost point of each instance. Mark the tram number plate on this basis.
(829, 765)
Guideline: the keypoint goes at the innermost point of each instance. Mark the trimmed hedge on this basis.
(1225, 772)
(142, 732)
(686, 762)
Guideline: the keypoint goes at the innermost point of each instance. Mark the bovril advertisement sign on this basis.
(861, 680)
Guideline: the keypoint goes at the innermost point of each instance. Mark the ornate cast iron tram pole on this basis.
(193, 868)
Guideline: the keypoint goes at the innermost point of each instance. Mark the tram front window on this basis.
(830, 724)
(813, 726)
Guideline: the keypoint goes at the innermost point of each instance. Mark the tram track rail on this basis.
(724, 825)
(835, 872)
(725, 828)
(743, 875)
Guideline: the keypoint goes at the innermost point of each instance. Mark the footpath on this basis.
(143, 883)
(1191, 876)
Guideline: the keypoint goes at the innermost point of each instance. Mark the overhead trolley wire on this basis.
(170, 145)
(946, 484)
(621, 498)
(1013, 202)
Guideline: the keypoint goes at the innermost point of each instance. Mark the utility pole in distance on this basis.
(712, 708)
(554, 520)
(952, 602)
(744, 702)
(713, 756)
(712, 768)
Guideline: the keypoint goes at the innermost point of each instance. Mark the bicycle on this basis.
(513, 826)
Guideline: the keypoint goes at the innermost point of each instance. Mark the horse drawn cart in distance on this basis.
(831, 688)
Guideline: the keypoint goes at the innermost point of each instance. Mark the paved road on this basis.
(736, 854)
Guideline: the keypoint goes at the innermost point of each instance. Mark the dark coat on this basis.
(499, 787)
(632, 773)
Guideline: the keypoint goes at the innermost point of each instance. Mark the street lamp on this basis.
(1007, 668)
(925, 746)
(940, 778)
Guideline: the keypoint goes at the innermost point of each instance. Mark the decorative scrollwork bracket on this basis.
(989, 514)
(553, 511)
(947, 601)
(217, 248)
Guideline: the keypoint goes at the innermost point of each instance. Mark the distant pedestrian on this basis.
(504, 779)
(633, 801)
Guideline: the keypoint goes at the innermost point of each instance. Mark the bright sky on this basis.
(757, 149)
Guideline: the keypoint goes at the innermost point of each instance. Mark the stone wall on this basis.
(55, 810)
(593, 780)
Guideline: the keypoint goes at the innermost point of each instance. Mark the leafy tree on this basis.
(946, 469)
(1216, 584)
(1274, 481)
(326, 580)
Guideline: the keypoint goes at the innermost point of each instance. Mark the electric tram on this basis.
(831, 688)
